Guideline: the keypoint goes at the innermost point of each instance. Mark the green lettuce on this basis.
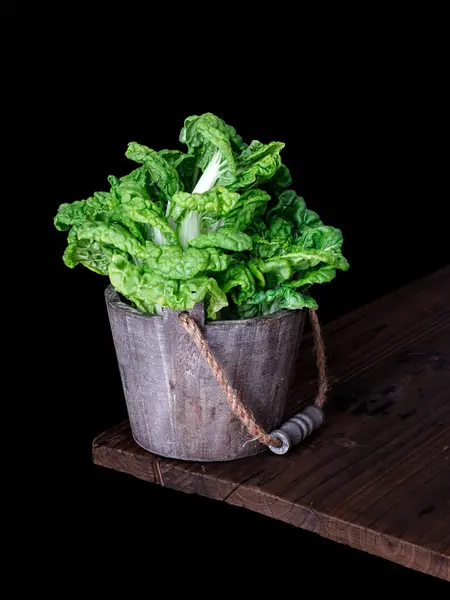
(215, 222)
(162, 173)
(89, 253)
(229, 239)
(210, 141)
(266, 302)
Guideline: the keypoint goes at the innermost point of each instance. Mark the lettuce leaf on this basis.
(176, 263)
(136, 206)
(226, 238)
(216, 300)
(257, 164)
(162, 173)
(91, 254)
(218, 201)
(318, 274)
(96, 208)
(209, 140)
(266, 302)
(283, 266)
(146, 289)
(251, 205)
(113, 235)
(239, 280)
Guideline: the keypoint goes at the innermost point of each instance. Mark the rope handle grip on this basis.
(295, 429)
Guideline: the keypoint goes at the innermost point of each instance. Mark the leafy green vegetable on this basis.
(229, 239)
(216, 299)
(142, 288)
(94, 208)
(280, 181)
(209, 139)
(217, 200)
(257, 151)
(218, 223)
(137, 206)
(113, 235)
(176, 263)
(88, 253)
(251, 204)
(239, 280)
(290, 207)
(269, 301)
(162, 173)
(188, 209)
(318, 274)
(259, 172)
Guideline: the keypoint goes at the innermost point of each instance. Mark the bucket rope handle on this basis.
(298, 427)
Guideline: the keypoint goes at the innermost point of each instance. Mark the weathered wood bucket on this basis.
(175, 405)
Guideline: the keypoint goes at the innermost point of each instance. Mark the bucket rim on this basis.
(113, 299)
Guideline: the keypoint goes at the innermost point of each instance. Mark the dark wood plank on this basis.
(376, 476)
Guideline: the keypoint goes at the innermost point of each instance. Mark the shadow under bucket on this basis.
(175, 405)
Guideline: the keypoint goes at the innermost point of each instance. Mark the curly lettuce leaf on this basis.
(113, 235)
(250, 206)
(215, 300)
(142, 288)
(218, 201)
(257, 164)
(181, 295)
(118, 215)
(175, 263)
(162, 173)
(147, 289)
(322, 237)
(282, 267)
(218, 260)
(281, 230)
(185, 166)
(208, 140)
(171, 156)
(137, 206)
(256, 151)
(318, 274)
(290, 207)
(257, 173)
(98, 207)
(228, 239)
(90, 254)
(266, 302)
(237, 143)
(238, 280)
(280, 181)
(139, 175)
(267, 248)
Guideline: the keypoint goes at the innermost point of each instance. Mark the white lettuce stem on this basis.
(169, 219)
(210, 175)
(189, 228)
(158, 237)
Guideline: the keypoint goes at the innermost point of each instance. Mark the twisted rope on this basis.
(234, 398)
(319, 348)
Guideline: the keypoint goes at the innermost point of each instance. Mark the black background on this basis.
(363, 129)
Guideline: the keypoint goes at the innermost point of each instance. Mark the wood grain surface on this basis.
(376, 476)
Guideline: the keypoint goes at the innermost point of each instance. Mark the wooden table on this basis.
(376, 476)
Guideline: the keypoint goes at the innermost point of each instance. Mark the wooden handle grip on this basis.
(297, 428)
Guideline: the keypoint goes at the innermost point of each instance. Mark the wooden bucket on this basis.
(175, 405)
